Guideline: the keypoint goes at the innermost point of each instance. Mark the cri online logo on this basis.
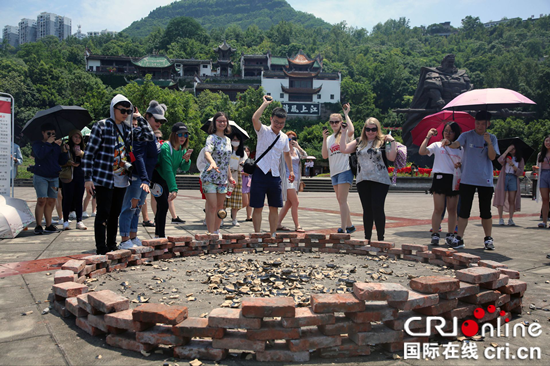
(470, 328)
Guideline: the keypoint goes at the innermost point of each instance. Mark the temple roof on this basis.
(302, 74)
(301, 90)
(155, 61)
(282, 61)
(225, 47)
(301, 59)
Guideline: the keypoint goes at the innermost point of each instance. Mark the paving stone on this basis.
(477, 275)
(306, 317)
(329, 303)
(124, 320)
(434, 284)
(415, 300)
(160, 313)
(236, 339)
(69, 289)
(107, 301)
(375, 311)
(161, 334)
(128, 341)
(260, 307)
(313, 339)
(200, 349)
(232, 318)
(271, 330)
(380, 291)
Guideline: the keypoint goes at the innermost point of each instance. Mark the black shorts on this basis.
(443, 184)
(262, 185)
(485, 195)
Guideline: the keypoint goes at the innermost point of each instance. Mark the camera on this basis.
(128, 167)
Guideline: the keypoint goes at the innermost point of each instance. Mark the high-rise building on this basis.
(49, 24)
(64, 27)
(27, 30)
(11, 35)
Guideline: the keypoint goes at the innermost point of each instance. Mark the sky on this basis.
(115, 15)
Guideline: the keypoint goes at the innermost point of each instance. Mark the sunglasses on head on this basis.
(374, 129)
(186, 135)
(125, 111)
(334, 122)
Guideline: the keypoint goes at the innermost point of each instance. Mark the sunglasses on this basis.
(293, 138)
(334, 122)
(50, 133)
(186, 135)
(374, 129)
(125, 111)
(161, 121)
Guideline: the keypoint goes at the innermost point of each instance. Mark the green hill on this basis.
(221, 13)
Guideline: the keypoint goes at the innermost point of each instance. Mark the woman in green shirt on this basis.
(174, 156)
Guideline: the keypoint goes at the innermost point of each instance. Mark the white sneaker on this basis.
(501, 222)
(236, 223)
(85, 215)
(136, 242)
(66, 225)
(126, 244)
(61, 222)
(511, 222)
(72, 215)
(80, 226)
(217, 232)
(93, 214)
(221, 224)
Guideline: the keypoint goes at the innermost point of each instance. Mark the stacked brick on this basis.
(334, 326)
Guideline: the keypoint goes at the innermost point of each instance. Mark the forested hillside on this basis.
(220, 13)
(380, 69)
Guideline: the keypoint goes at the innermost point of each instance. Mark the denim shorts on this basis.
(544, 178)
(511, 183)
(209, 187)
(45, 187)
(341, 178)
(265, 184)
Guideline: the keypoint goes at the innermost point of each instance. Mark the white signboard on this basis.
(6, 144)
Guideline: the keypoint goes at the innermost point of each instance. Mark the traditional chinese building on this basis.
(224, 65)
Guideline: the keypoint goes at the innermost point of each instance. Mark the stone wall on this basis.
(275, 329)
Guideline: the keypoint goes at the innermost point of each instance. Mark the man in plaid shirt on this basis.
(106, 165)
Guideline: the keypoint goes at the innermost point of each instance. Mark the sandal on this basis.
(299, 230)
(283, 228)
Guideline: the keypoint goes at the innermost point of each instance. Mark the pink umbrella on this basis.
(495, 98)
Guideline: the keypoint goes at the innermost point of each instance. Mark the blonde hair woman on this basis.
(338, 162)
(373, 180)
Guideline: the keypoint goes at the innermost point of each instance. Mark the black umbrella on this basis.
(63, 118)
(235, 128)
(525, 150)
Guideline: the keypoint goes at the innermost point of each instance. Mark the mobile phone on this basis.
(190, 151)
(268, 97)
(344, 125)
(325, 128)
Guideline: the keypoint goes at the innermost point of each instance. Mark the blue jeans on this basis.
(129, 217)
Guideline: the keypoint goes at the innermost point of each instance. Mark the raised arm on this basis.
(424, 147)
(259, 112)
(491, 152)
(346, 148)
(324, 148)
(351, 129)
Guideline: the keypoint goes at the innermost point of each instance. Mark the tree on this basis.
(183, 27)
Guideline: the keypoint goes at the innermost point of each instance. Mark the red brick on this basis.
(402, 317)
(128, 341)
(443, 252)
(259, 307)
(97, 273)
(492, 264)
(117, 267)
(306, 317)
(415, 300)
(119, 254)
(95, 259)
(510, 273)
(437, 262)
(59, 306)
(83, 324)
(312, 339)
(375, 311)
(160, 313)
(493, 285)
(513, 287)
(380, 291)
(193, 253)
(329, 303)
(382, 244)
(466, 289)
(426, 255)
(348, 348)
(71, 304)
(69, 289)
(315, 236)
(441, 307)
(89, 268)
(197, 327)
(180, 239)
(400, 346)
(232, 318)
(512, 304)
(379, 334)
(279, 250)
(415, 247)
(161, 334)
(434, 284)
(343, 325)
(200, 349)
(154, 242)
(461, 311)
(75, 265)
(107, 301)
(235, 339)
(477, 274)
(414, 258)
(280, 353)
(481, 298)
(395, 251)
(503, 299)
(141, 250)
(64, 276)
(271, 330)
(329, 250)
(85, 304)
(339, 236)
(466, 257)
(260, 235)
(98, 321)
(154, 253)
(243, 250)
(124, 320)
(165, 256)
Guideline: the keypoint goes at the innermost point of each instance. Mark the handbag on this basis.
(66, 174)
(457, 173)
(250, 165)
(353, 160)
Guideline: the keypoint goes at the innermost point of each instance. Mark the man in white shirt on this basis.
(266, 179)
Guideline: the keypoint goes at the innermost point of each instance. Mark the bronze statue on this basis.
(437, 87)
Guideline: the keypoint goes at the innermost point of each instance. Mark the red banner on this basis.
(5, 107)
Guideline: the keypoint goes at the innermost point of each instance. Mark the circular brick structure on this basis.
(274, 328)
